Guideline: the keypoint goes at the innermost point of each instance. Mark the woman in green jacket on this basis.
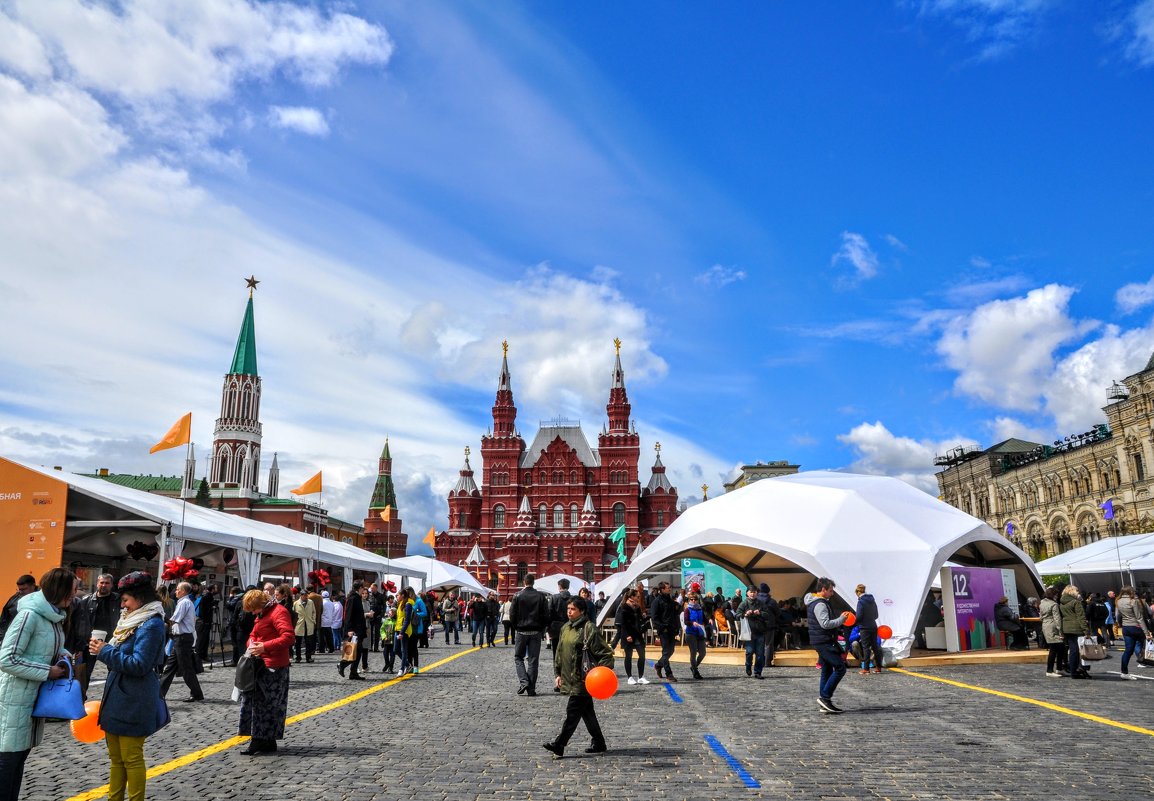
(1074, 625)
(577, 636)
(32, 645)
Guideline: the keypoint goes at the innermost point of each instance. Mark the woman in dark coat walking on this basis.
(577, 636)
(264, 709)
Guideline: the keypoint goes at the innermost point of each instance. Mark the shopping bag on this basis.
(745, 633)
(348, 650)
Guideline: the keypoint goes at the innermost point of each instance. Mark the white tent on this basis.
(1106, 564)
(102, 514)
(549, 584)
(439, 575)
(874, 530)
(612, 585)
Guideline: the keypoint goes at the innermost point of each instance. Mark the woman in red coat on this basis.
(263, 711)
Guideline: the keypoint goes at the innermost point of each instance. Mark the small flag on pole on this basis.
(387, 513)
(431, 538)
(178, 435)
(1108, 510)
(618, 537)
(309, 487)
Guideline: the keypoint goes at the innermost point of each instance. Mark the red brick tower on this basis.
(381, 535)
(235, 460)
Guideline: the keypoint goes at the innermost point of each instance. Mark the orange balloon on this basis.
(885, 632)
(87, 729)
(601, 682)
(850, 618)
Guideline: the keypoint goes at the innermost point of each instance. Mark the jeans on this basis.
(491, 630)
(755, 654)
(12, 773)
(696, 645)
(638, 645)
(832, 669)
(871, 651)
(1055, 659)
(580, 708)
(478, 629)
(411, 643)
(452, 627)
(1135, 642)
(508, 626)
(127, 771)
(1074, 657)
(526, 656)
(336, 632)
(668, 643)
(770, 647)
(401, 647)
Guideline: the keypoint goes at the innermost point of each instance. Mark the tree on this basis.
(203, 498)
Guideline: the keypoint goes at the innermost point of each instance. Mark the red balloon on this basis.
(87, 729)
(601, 682)
(850, 618)
(885, 632)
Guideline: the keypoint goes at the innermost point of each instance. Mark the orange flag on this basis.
(387, 513)
(178, 435)
(309, 487)
(431, 538)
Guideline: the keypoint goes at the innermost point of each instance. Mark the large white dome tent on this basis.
(873, 530)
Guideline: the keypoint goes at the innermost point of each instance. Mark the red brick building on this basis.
(550, 507)
(383, 525)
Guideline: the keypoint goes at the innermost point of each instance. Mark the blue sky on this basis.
(851, 236)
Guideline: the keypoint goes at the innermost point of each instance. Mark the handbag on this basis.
(348, 651)
(1090, 650)
(61, 698)
(246, 669)
(745, 633)
(585, 663)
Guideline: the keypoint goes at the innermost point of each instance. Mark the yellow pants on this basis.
(128, 769)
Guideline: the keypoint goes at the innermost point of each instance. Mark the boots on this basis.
(341, 668)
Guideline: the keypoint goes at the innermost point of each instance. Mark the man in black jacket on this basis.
(529, 616)
(355, 624)
(665, 614)
(559, 616)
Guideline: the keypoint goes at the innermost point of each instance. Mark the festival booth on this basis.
(874, 530)
(68, 519)
(440, 576)
(1108, 564)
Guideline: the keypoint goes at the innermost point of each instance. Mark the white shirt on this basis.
(184, 617)
(328, 613)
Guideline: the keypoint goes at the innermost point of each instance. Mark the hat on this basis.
(136, 580)
(325, 594)
(765, 588)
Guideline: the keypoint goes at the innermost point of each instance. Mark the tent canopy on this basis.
(104, 517)
(1130, 552)
(442, 575)
(549, 584)
(875, 530)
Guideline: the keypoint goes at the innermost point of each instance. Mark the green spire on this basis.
(385, 452)
(244, 359)
(384, 494)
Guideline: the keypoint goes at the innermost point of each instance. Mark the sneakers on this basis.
(1128, 677)
(631, 680)
(416, 670)
(1053, 674)
(827, 706)
(865, 672)
(642, 680)
(877, 670)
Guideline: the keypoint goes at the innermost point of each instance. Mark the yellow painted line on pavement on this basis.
(1025, 700)
(224, 745)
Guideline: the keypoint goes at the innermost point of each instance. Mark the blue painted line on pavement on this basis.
(737, 767)
(672, 693)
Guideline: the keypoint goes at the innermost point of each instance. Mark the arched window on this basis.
(558, 516)
(560, 553)
(574, 515)
(541, 476)
(558, 477)
(572, 476)
(618, 514)
(542, 516)
(587, 572)
(461, 519)
(661, 517)
(499, 516)
(522, 571)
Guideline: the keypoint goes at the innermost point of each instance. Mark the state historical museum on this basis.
(551, 507)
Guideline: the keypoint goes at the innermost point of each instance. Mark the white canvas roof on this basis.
(548, 584)
(1109, 555)
(874, 530)
(192, 524)
(442, 575)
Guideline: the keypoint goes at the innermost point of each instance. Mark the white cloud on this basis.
(896, 243)
(1003, 428)
(856, 252)
(1134, 296)
(995, 26)
(1139, 32)
(720, 276)
(303, 119)
(1005, 349)
(1076, 390)
(879, 452)
(21, 50)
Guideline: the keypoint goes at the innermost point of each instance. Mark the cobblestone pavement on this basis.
(459, 731)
